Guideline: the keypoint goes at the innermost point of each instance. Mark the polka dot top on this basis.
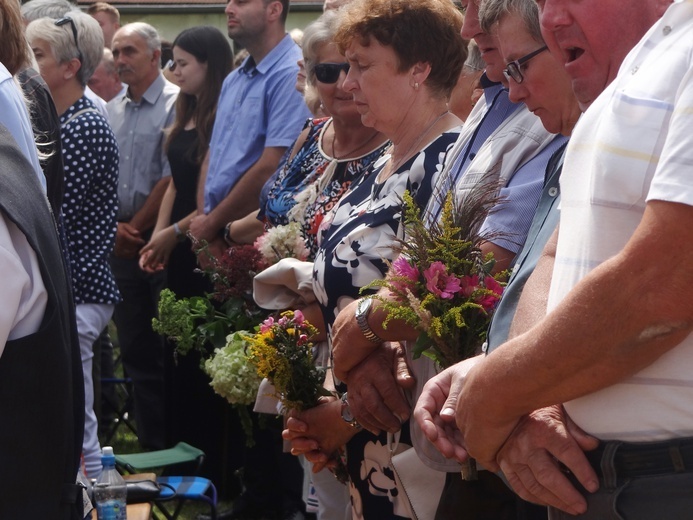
(90, 156)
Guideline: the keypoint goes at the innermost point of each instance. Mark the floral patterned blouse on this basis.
(309, 168)
(356, 243)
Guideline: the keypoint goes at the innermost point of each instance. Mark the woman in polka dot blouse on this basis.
(67, 51)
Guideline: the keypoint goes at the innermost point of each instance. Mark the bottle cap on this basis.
(107, 457)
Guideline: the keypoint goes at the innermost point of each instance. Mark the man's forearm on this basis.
(620, 319)
(145, 218)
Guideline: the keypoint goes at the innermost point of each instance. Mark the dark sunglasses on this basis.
(329, 72)
(65, 20)
(514, 68)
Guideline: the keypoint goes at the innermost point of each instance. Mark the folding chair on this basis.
(120, 407)
(183, 489)
(182, 454)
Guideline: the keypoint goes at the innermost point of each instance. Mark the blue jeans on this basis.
(622, 495)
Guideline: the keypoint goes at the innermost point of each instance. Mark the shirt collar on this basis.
(274, 56)
(153, 92)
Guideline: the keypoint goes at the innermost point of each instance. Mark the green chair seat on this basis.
(181, 453)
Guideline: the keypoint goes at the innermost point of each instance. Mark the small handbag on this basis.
(140, 491)
(422, 485)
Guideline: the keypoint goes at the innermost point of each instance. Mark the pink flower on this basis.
(469, 284)
(489, 300)
(267, 325)
(439, 282)
(406, 272)
(299, 318)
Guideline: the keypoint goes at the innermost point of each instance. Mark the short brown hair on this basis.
(425, 31)
(103, 7)
(14, 51)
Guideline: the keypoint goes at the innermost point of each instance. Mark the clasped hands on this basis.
(533, 451)
(376, 399)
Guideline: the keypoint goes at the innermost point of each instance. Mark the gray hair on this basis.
(492, 11)
(62, 42)
(474, 61)
(36, 9)
(315, 36)
(108, 61)
(145, 31)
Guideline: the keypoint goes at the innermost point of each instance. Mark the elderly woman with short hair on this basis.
(404, 58)
(68, 50)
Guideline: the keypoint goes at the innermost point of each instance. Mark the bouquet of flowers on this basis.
(282, 352)
(282, 242)
(199, 321)
(442, 283)
(234, 379)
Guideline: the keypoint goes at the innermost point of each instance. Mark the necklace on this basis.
(416, 143)
(334, 155)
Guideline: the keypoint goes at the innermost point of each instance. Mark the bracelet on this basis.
(179, 234)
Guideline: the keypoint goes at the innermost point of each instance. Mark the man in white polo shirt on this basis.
(616, 347)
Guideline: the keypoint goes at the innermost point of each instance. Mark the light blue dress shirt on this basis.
(259, 108)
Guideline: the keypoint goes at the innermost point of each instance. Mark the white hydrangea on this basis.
(233, 376)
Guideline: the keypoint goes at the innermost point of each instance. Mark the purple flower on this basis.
(439, 282)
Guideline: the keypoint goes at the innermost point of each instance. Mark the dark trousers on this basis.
(487, 498)
(639, 481)
(141, 348)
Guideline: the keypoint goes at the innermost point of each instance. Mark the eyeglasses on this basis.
(65, 20)
(514, 68)
(329, 72)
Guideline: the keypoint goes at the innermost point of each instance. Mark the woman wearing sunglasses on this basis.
(67, 51)
(404, 58)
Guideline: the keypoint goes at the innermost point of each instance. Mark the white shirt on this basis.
(23, 294)
(633, 145)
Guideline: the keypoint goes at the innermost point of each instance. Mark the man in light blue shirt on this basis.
(260, 114)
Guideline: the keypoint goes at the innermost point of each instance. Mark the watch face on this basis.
(347, 415)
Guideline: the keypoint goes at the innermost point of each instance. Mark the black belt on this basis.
(631, 460)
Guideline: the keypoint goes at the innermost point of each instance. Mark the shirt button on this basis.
(666, 30)
(553, 192)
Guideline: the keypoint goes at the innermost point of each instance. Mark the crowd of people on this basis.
(119, 160)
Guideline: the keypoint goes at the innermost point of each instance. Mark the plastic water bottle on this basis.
(110, 491)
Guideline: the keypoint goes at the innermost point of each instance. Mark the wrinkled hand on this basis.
(435, 409)
(154, 256)
(376, 396)
(349, 345)
(202, 228)
(128, 241)
(318, 433)
(530, 460)
(484, 433)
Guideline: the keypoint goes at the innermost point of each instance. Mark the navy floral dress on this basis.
(312, 168)
(357, 240)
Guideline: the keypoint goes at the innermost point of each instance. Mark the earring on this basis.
(416, 85)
